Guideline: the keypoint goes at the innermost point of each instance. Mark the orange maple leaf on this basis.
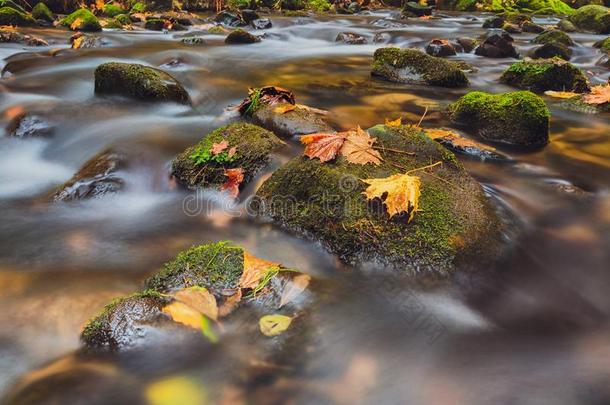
(323, 145)
(234, 179)
(598, 95)
(254, 269)
(358, 148)
(219, 147)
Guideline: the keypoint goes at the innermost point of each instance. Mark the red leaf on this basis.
(323, 145)
(234, 179)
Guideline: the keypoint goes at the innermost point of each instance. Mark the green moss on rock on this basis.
(414, 66)
(324, 201)
(542, 75)
(592, 18)
(11, 16)
(88, 22)
(112, 10)
(215, 266)
(42, 12)
(140, 82)
(603, 45)
(122, 19)
(253, 146)
(519, 118)
(138, 8)
(154, 24)
(553, 36)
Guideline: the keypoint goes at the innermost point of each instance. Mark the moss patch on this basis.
(542, 75)
(138, 8)
(414, 66)
(112, 10)
(88, 22)
(325, 202)
(519, 118)
(11, 16)
(42, 12)
(592, 18)
(215, 266)
(553, 36)
(253, 146)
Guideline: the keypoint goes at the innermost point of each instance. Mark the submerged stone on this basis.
(140, 82)
(239, 37)
(253, 146)
(30, 126)
(96, 178)
(415, 67)
(520, 118)
(542, 75)
(455, 228)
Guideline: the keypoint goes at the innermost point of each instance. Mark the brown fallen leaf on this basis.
(199, 299)
(232, 152)
(219, 147)
(268, 95)
(598, 95)
(294, 288)
(254, 270)
(229, 304)
(284, 108)
(401, 192)
(455, 139)
(323, 145)
(358, 148)
(234, 179)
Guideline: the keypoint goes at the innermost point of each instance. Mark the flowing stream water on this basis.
(534, 333)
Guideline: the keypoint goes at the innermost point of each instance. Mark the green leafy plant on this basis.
(203, 154)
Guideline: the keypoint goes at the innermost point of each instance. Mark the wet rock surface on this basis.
(241, 37)
(497, 44)
(350, 38)
(519, 118)
(440, 48)
(542, 75)
(328, 206)
(415, 67)
(299, 121)
(30, 126)
(140, 82)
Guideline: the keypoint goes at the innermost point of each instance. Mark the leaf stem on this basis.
(425, 167)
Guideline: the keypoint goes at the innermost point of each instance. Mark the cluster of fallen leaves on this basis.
(598, 95)
(356, 145)
(268, 95)
(198, 308)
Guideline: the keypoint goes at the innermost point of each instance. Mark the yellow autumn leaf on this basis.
(284, 108)
(75, 24)
(394, 123)
(273, 325)
(177, 390)
(183, 314)
(199, 299)
(294, 288)
(99, 4)
(561, 94)
(401, 192)
(254, 269)
(76, 44)
(358, 148)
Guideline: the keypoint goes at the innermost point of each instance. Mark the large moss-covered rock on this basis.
(241, 37)
(520, 118)
(542, 75)
(11, 16)
(455, 227)
(592, 18)
(415, 67)
(140, 82)
(554, 43)
(198, 167)
(550, 7)
(42, 12)
(112, 10)
(550, 36)
(87, 21)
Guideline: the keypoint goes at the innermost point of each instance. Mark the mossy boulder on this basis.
(520, 118)
(553, 36)
(603, 45)
(592, 18)
(122, 19)
(455, 228)
(42, 12)
(155, 24)
(566, 25)
(138, 320)
(241, 37)
(87, 21)
(198, 167)
(11, 16)
(112, 10)
(414, 9)
(542, 75)
(140, 82)
(416, 67)
(529, 26)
